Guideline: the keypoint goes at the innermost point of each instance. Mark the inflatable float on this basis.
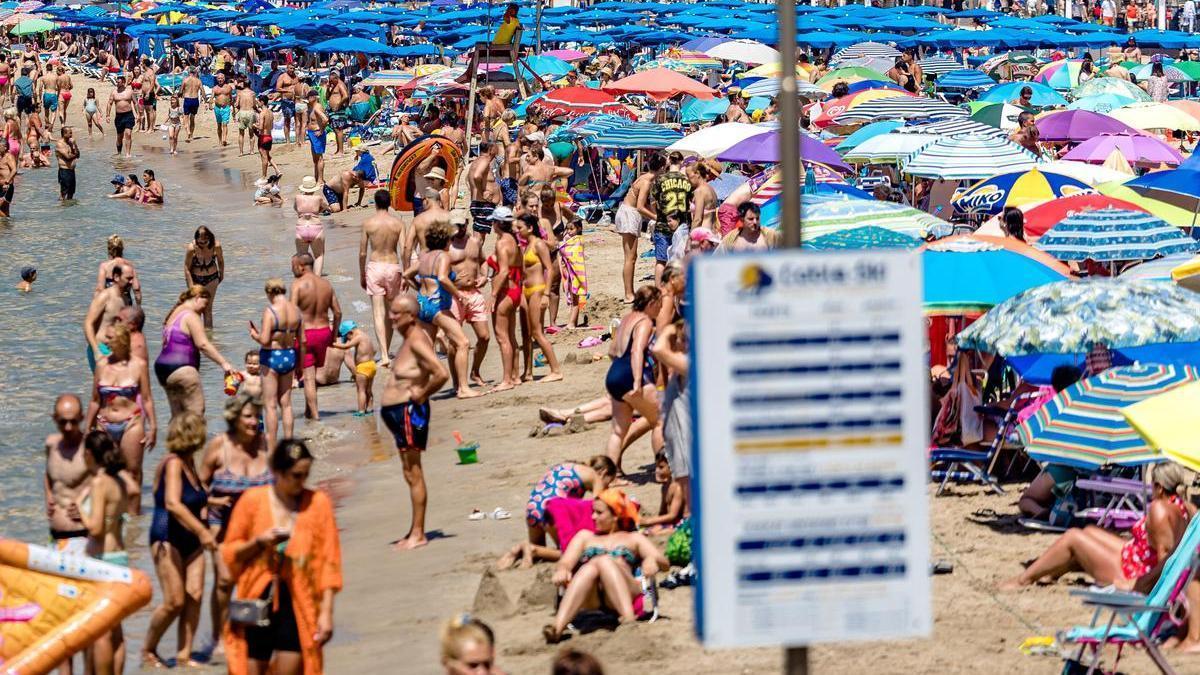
(53, 604)
(402, 182)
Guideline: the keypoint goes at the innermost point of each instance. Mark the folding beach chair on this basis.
(1124, 500)
(1136, 619)
(959, 464)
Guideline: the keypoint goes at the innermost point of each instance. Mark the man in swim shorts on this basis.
(246, 117)
(47, 89)
(191, 90)
(317, 130)
(67, 475)
(338, 97)
(379, 270)
(24, 86)
(320, 312)
(285, 89)
(222, 107)
(122, 98)
(416, 374)
(68, 154)
(485, 190)
(103, 312)
(466, 262)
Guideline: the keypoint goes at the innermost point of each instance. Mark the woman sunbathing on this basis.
(569, 479)
(1127, 564)
(597, 567)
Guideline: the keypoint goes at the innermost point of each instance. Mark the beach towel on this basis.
(574, 270)
(570, 516)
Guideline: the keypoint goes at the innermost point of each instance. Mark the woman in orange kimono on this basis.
(289, 531)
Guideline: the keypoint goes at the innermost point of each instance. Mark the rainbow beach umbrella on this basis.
(1061, 75)
(1084, 425)
(1019, 188)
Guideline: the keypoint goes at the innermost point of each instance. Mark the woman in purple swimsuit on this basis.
(177, 365)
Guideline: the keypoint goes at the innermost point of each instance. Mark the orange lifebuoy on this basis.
(55, 604)
(401, 184)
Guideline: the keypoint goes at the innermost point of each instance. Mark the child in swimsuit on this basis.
(92, 112)
(353, 337)
(174, 124)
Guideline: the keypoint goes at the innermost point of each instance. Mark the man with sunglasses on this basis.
(66, 476)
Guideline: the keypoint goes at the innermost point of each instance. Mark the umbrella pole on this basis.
(789, 134)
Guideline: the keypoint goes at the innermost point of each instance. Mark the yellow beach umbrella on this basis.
(773, 70)
(1165, 422)
(1152, 115)
(1172, 214)
(428, 69)
(1188, 274)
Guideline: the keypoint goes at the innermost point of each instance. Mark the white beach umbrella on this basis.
(712, 141)
(969, 157)
(744, 51)
(876, 49)
(888, 148)
(1154, 115)
(1092, 174)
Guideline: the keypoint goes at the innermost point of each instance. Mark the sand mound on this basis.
(491, 599)
(542, 592)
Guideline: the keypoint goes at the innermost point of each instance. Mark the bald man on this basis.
(416, 374)
(66, 476)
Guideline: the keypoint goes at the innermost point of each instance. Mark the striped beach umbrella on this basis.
(850, 75)
(1018, 188)
(865, 49)
(1083, 425)
(938, 65)
(968, 157)
(833, 109)
(964, 78)
(1109, 235)
(769, 86)
(619, 133)
(996, 115)
(954, 126)
(890, 148)
(899, 107)
(1061, 75)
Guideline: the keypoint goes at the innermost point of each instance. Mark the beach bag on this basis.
(679, 544)
(256, 612)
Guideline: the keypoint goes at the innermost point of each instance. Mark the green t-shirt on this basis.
(672, 193)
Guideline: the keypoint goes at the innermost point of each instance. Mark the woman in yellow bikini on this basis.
(536, 260)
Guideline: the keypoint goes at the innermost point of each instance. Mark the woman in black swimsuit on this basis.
(204, 265)
(902, 76)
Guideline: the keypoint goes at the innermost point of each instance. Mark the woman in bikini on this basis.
(104, 505)
(630, 378)
(282, 347)
(597, 568)
(436, 292)
(558, 216)
(12, 132)
(183, 338)
(123, 407)
(234, 462)
(310, 231)
(536, 259)
(507, 295)
(204, 265)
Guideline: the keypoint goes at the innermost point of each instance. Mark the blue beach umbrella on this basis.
(1109, 235)
(1042, 95)
(965, 274)
(964, 78)
(351, 45)
(869, 131)
(1101, 103)
(869, 236)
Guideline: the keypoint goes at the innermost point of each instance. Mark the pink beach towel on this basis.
(570, 516)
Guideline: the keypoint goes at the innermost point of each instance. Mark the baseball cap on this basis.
(501, 214)
(346, 326)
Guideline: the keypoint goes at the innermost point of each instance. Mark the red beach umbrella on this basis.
(576, 101)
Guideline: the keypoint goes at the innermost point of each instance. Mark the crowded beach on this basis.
(464, 366)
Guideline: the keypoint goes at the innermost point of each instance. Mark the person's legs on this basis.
(539, 336)
(414, 474)
(581, 589)
(456, 342)
(554, 291)
(1191, 640)
(616, 581)
(506, 338)
(383, 328)
(208, 306)
(168, 565)
(103, 653)
(318, 252)
(629, 246)
(193, 596)
(310, 393)
(133, 452)
(222, 590)
(270, 397)
(482, 338)
(622, 417)
(1091, 550)
(186, 382)
(1037, 499)
(288, 663)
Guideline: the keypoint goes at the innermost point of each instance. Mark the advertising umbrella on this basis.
(1084, 425)
(993, 195)
(576, 101)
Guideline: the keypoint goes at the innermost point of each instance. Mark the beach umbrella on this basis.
(1084, 425)
(868, 49)
(1186, 105)
(1110, 235)
(726, 184)
(899, 107)
(1153, 115)
(711, 141)
(993, 195)
(743, 51)
(849, 75)
(351, 45)
(832, 109)
(865, 237)
(769, 86)
(1172, 73)
(659, 84)
(1158, 269)
(821, 215)
(953, 126)
(764, 149)
(772, 70)
(968, 274)
(33, 26)
(968, 157)
(568, 55)
(1039, 218)
(1101, 103)
(964, 78)
(880, 65)
(888, 148)
(1059, 323)
(1079, 125)
(939, 65)
(576, 101)
(1110, 85)
(1139, 149)
(868, 131)
(1092, 174)
(1178, 187)
(1173, 214)
(1165, 422)
(1062, 75)
(1042, 95)
(997, 115)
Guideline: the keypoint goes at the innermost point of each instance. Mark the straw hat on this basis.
(308, 186)
(436, 173)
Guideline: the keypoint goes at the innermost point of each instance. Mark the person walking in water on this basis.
(283, 349)
(124, 122)
(68, 154)
(379, 270)
(310, 231)
(416, 374)
(321, 314)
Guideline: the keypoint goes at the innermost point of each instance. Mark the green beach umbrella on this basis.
(32, 26)
(853, 74)
(999, 115)
(1189, 68)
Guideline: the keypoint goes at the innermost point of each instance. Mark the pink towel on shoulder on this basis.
(570, 516)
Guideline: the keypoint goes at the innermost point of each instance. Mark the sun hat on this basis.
(436, 173)
(308, 186)
(703, 234)
(346, 326)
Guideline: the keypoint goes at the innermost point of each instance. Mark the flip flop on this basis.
(500, 514)
(476, 514)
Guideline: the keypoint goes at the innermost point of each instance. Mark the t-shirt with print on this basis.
(672, 193)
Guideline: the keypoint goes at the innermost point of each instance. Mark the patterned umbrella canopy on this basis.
(1110, 85)
(1083, 425)
(972, 156)
(992, 195)
(1101, 103)
(823, 215)
(868, 236)
(1062, 75)
(1138, 320)
(899, 107)
(938, 65)
(833, 109)
(970, 273)
(1108, 235)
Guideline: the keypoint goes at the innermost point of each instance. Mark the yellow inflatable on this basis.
(53, 604)
(404, 168)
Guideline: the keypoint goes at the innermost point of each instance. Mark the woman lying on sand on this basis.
(597, 567)
(1127, 564)
(569, 479)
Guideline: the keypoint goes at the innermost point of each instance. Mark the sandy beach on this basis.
(389, 614)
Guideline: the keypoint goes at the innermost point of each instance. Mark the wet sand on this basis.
(394, 603)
